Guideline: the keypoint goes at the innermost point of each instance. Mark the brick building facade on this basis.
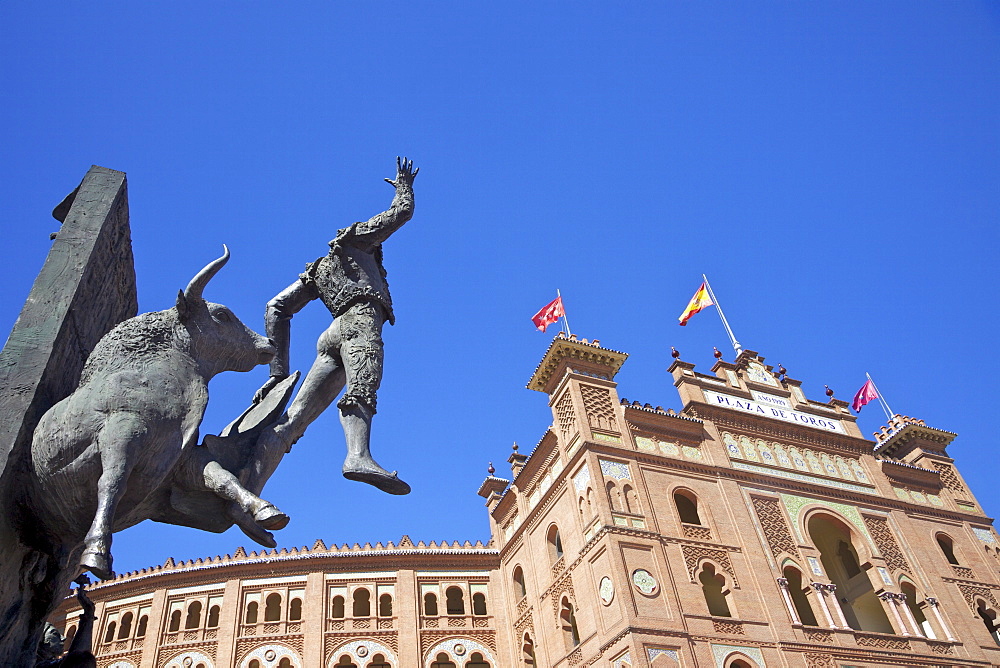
(755, 528)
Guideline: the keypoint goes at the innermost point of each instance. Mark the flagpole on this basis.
(729, 330)
(881, 399)
(565, 319)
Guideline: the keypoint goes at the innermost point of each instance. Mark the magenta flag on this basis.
(864, 395)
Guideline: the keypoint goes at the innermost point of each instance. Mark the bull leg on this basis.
(227, 486)
(117, 440)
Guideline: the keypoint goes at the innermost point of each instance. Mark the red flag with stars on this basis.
(549, 314)
(866, 394)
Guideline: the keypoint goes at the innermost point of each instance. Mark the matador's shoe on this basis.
(385, 481)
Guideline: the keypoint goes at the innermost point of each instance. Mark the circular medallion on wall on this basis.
(361, 651)
(458, 649)
(607, 590)
(270, 655)
(645, 582)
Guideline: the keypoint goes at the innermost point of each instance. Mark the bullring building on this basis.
(754, 528)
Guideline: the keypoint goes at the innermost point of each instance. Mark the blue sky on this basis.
(832, 167)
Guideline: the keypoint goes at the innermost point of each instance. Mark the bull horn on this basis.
(197, 285)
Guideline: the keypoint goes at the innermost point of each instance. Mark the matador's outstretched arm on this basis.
(278, 326)
(377, 229)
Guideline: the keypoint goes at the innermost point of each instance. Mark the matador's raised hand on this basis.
(404, 173)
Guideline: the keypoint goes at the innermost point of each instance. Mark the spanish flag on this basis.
(700, 301)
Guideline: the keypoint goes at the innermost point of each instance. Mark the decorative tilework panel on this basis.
(801, 477)
(623, 661)
(656, 652)
(984, 535)
(795, 504)
(720, 652)
(459, 650)
(616, 470)
(582, 479)
(740, 446)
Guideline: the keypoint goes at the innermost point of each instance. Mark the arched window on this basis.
(285, 662)
(989, 617)
(295, 610)
(378, 661)
(338, 607)
(520, 591)
(799, 598)
(835, 541)
(109, 635)
(631, 500)
(614, 497)
(385, 605)
(175, 621)
(713, 585)
(362, 603)
(251, 616)
(254, 663)
(272, 607)
(555, 543)
(947, 546)
(687, 507)
(213, 616)
(140, 629)
(126, 628)
(193, 620)
(477, 661)
(910, 591)
(442, 661)
(479, 603)
(567, 619)
(739, 663)
(528, 652)
(430, 604)
(345, 662)
(454, 601)
(70, 634)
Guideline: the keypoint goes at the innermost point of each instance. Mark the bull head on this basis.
(191, 298)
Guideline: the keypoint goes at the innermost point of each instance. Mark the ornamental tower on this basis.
(754, 528)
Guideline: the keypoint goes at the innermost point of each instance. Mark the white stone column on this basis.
(909, 614)
(783, 585)
(832, 589)
(933, 603)
(819, 587)
(889, 600)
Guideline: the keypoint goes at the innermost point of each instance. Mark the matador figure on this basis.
(351, 282)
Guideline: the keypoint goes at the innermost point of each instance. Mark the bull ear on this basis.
(183, 307)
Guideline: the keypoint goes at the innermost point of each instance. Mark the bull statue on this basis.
(109, 455)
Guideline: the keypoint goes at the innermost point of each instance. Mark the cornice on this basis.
(580, 349)
(344, 560)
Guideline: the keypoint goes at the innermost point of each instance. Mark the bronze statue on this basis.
(351, 282)
(100, 455)
(79, 654)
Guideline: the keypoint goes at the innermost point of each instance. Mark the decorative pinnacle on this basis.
(781, 370)
(675, 353)
(514, 447)
(717, 353)
(491, 470)
(829, 392)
